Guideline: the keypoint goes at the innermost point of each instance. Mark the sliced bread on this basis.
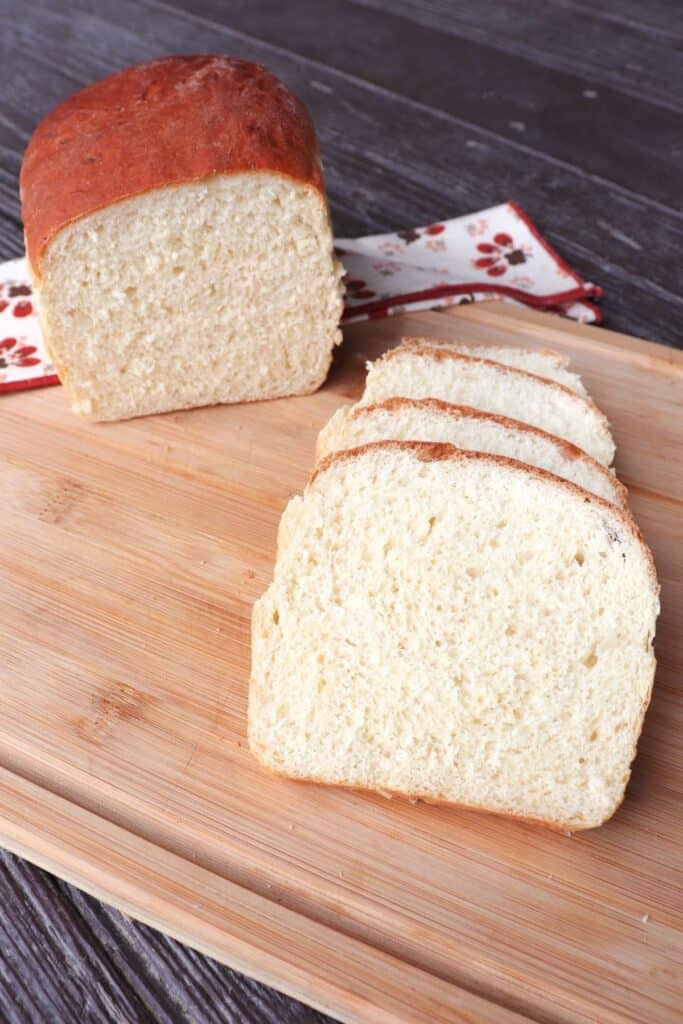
(430, 419)
(485, 640)
(543, 362)
(427, 372)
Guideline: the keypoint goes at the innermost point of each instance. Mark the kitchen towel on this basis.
(494, 254)
(24, 361)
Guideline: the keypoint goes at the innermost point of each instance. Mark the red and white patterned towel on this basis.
(24, 362)
(493, 254)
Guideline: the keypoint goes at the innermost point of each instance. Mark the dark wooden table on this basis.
(425, 109)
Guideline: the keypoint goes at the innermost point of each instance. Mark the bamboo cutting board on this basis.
(130, 556)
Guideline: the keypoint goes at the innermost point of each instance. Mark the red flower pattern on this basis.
(10, 355)
(499, 254)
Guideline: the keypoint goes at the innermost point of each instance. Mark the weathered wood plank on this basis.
(620, 52)
(64, 957)
(141, 975)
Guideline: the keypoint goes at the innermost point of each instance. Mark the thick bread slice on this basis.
(543, 362)
(440, 373)
(430, 419)
(459, 627)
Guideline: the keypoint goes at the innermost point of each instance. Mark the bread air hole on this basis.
(591, 659)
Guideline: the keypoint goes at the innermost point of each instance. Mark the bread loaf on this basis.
(429, 419)
(179, 240)
(543, 362)
(459, 627)
(431, 372)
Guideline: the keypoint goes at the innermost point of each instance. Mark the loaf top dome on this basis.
(166, 122)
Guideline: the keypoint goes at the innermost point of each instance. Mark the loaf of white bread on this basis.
(178, 236)
(469, 624)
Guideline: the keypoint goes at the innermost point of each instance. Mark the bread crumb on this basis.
(645, 918)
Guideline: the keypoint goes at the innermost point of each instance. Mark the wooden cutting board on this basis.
(130, 555)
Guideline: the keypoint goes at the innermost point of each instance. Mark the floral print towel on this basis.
(493, 254)
(24, 362)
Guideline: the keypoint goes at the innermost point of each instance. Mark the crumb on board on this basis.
(645, 918)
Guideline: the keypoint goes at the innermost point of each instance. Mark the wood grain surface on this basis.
(425, 109)
(136, 551)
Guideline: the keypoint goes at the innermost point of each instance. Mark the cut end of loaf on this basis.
(220, 291)
(485, 641)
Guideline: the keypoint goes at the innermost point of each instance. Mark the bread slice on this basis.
(459, 627)
(426, 372)
(543, 362)
(429, 419)
(179, 240)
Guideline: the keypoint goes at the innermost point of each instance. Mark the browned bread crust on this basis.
(167, 122)
(423, 347)
(567, 827)
(570, 451)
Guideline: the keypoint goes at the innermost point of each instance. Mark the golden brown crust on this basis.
(167, 122)
(444, 355)
(569, 450)
(412, 342)
(555, 826)
(430, 451)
